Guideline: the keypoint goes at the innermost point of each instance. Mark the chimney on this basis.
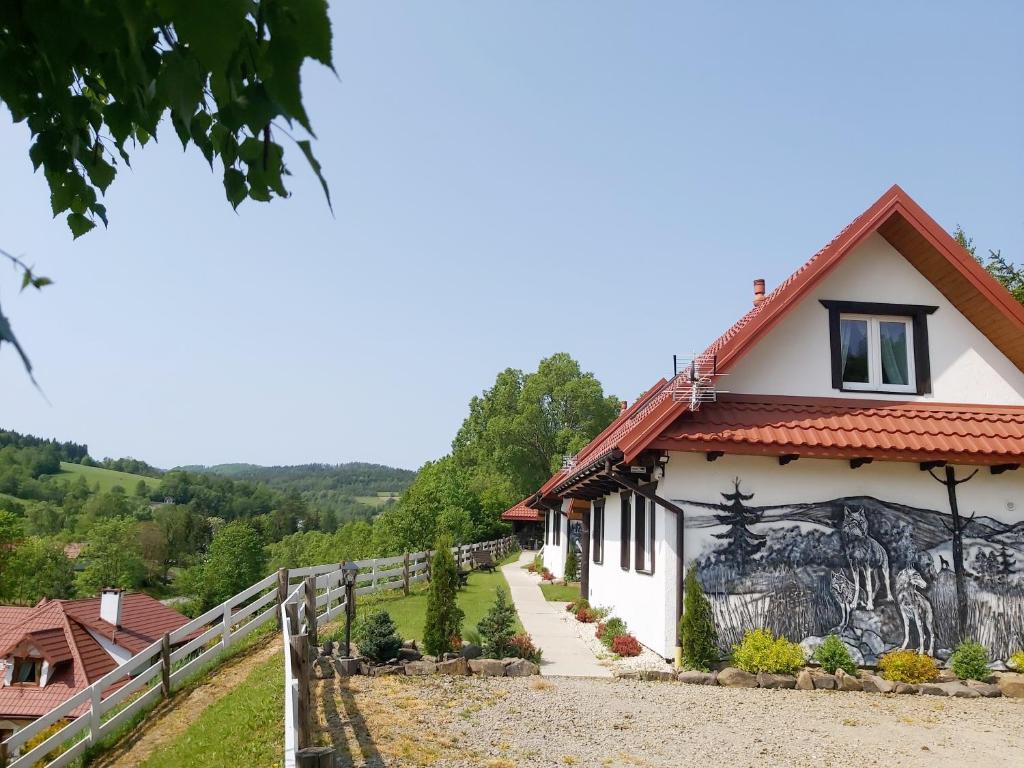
(623, 405)
(110, 605)
(758, 291)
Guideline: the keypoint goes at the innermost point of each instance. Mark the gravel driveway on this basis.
(546, 722)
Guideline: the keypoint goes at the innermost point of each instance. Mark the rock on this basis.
(365, 667)
(327, 648)
(409, 654)
(987, 690)
(487, 667)
(323, 669)
(521, 668)
(416, 668)
(998, 666)
(411, 645)
(1012, 685)
(388, 669)
(471, 651)
(945, 676)
(457, 667)
(450, 656)
(805, 680)
(876, 684)
(694, 677)
(428, 657)
(348, 667)
(768, 680)
(823, 681)
(955, 689)
(943, 654)
(731, 677)
(631, 674)
(845, 682)
(810, 644)
(657, 675)
(907, 689)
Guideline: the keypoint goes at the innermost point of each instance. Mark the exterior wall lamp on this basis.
(349, 572)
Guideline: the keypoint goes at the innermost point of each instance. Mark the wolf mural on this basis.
(877, 573)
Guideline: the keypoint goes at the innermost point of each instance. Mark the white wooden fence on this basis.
(320, 599)
(134, 686)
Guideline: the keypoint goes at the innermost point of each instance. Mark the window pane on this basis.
(893, 338)
(853, 338)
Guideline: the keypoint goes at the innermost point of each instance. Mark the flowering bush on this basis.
(522, 647)
(586, 615)
(908, 667)
(626, 645)
(761, 651)
(1017, 661)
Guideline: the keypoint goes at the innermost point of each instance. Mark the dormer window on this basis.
(27, 671)
(879, 347)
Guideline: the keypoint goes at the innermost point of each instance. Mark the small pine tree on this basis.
(697, 634)
(498, 628)
(377, 637)
(444, 617)
(572, 565)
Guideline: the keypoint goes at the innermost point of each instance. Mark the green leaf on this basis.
(101, 173)
(212, 29)
(61, 193)
(7, 334)
(234, 186)
(181, 84)
(307, 150)
(79, 224)
(41, 282)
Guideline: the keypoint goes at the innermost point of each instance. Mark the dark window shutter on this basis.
(597, 531)
(624, 549)
(650, 534)
(640, 505)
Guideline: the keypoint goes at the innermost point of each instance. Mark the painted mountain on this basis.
(878, 573)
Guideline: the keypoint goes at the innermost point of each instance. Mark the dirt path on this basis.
(412, 722)
(170, 719)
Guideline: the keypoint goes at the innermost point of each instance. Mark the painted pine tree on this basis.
(1005, 562)
(743, 543)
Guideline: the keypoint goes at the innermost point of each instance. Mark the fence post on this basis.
(315, 757)
(310, 598)
(405, 574)
(165, 665)
(225, 632)
(299, 650)
(373, 576)
(95, 718)
(282, 591)
(429, 558)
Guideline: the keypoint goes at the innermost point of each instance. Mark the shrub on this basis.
(377, 637)
(908, 667)
(761, 651)
(1016, 661)
(444, 617)
(697, 634)
(833, 654)
(586, 615)
(498, 627)
(572, 565)
(547, 575)
(575, 605)
(531, 567)
(522, 647)
(970, 661)
(626, 645)
(538, 562)
(611, 629)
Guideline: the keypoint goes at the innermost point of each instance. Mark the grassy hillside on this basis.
(107, 478)
(352, 479)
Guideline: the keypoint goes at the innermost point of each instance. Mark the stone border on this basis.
(411, 663)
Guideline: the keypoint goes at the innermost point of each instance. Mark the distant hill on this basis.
(354, 479)
(106, 478)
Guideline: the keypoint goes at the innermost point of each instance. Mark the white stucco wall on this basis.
(647, 602)
(119, 654)
(794, 357)
(554, 554)
(644, 601)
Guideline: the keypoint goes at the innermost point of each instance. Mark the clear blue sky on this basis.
(509, 180)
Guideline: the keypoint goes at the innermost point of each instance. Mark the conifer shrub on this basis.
(761, 651)
(626, 645)
(572, 565)
(444, 617)
(970, 661)
(833, 654)
(376, 636)
(498, 627)
(697, 633)
(908, 667)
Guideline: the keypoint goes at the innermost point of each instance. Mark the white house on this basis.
(858, 476)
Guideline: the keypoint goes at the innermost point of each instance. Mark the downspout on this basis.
(585, 554)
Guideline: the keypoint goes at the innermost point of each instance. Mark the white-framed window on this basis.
(876, 352)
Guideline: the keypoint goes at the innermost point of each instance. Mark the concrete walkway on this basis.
(565, 654)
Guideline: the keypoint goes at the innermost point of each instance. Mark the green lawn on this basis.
(564, 593)
(107, 478)
(379, 500)
(242, 728)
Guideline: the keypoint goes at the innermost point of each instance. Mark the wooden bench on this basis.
(483, 560)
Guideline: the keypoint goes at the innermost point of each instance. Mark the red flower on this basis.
(626, 645)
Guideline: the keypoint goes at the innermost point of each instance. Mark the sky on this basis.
(509, 180)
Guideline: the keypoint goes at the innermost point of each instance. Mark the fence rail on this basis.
(316, 601)
(142, 680)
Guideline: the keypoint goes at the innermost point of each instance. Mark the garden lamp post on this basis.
(349, 571)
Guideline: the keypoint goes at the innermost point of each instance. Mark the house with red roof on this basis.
(50, 652)
(527, 523)
(844, 459)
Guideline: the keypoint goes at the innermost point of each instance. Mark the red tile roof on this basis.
(520, 512)
(60, 630)
(839, 428)
(641, 425)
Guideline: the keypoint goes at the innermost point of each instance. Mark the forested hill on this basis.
(354, 478)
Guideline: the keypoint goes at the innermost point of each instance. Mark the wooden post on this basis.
(428, 566)
(165, 665)
(282, 591)
(315, 757)
(3, 754)
(405, 574)
(310, 599)
(299, 649)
